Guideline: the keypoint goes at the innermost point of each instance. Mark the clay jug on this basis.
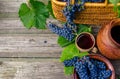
(108, 40)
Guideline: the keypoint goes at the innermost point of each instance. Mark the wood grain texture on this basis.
(29, 45)
(42, 69)
(30, 54)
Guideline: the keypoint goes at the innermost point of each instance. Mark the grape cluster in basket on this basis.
(87, 0)
(88, 68)
(69, 27)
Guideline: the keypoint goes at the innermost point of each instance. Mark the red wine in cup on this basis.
(85, 41)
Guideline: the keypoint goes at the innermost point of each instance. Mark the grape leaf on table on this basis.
(63, 42)
(33, 14)
(68, 70)
(70, 51)
(83, 28)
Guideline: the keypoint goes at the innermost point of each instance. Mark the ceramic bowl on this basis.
(103, 59)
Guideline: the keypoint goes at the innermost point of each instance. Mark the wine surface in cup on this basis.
(85, 41)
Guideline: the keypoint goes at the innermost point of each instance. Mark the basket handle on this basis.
(94, 4)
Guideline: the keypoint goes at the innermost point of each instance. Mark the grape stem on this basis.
(75, 34)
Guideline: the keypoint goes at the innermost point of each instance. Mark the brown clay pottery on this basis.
(108, 39)
(103, 59)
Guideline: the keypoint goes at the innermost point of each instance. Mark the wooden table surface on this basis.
(29, 54)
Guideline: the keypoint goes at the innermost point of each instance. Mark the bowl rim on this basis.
(103, 59)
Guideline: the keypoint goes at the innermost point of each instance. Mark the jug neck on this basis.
(112, 24)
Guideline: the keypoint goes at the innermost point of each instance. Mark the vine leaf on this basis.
(63, 42)
(68, 70)
(71, 51)
(34, 14)
(84, 28)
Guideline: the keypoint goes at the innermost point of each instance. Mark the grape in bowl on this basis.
(104, 69)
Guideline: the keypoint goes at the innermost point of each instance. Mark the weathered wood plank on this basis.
(30, 52)
(32, 40)
(42, 69)
(12, 5)
(36, 69)
(29, 45)
(9, 6)
(16, 27)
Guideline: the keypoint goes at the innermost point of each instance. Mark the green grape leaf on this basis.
(70, 51)
(68, 70)
(114, 1)
(118, 11)
(33, 14)
(118, 77)
(83, 28)
(63, 42)
(49, 6)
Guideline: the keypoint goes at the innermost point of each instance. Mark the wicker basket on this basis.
(94, 13)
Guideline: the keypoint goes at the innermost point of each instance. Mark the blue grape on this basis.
(86, 0)
(68, 63)
(65, 32)
(99, 64)
(93, 0)
(64, 0)
(101, 77)
(87, 68)
(105, 73)
(69, 13)
(71, 62)
(92, 69)
(75, 59)
(97, 0)
(81, 69)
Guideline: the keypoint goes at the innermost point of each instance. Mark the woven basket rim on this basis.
(87, 4)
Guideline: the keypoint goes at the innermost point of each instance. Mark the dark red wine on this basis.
(85, 41)
(115, 33)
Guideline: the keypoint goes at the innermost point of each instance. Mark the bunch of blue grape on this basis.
(69, 12)
(88, 68)
(93, 0)
(65, 32)
(86, 0)
(71, 62)
(81, 70)
(69, 28)
(63, 0)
